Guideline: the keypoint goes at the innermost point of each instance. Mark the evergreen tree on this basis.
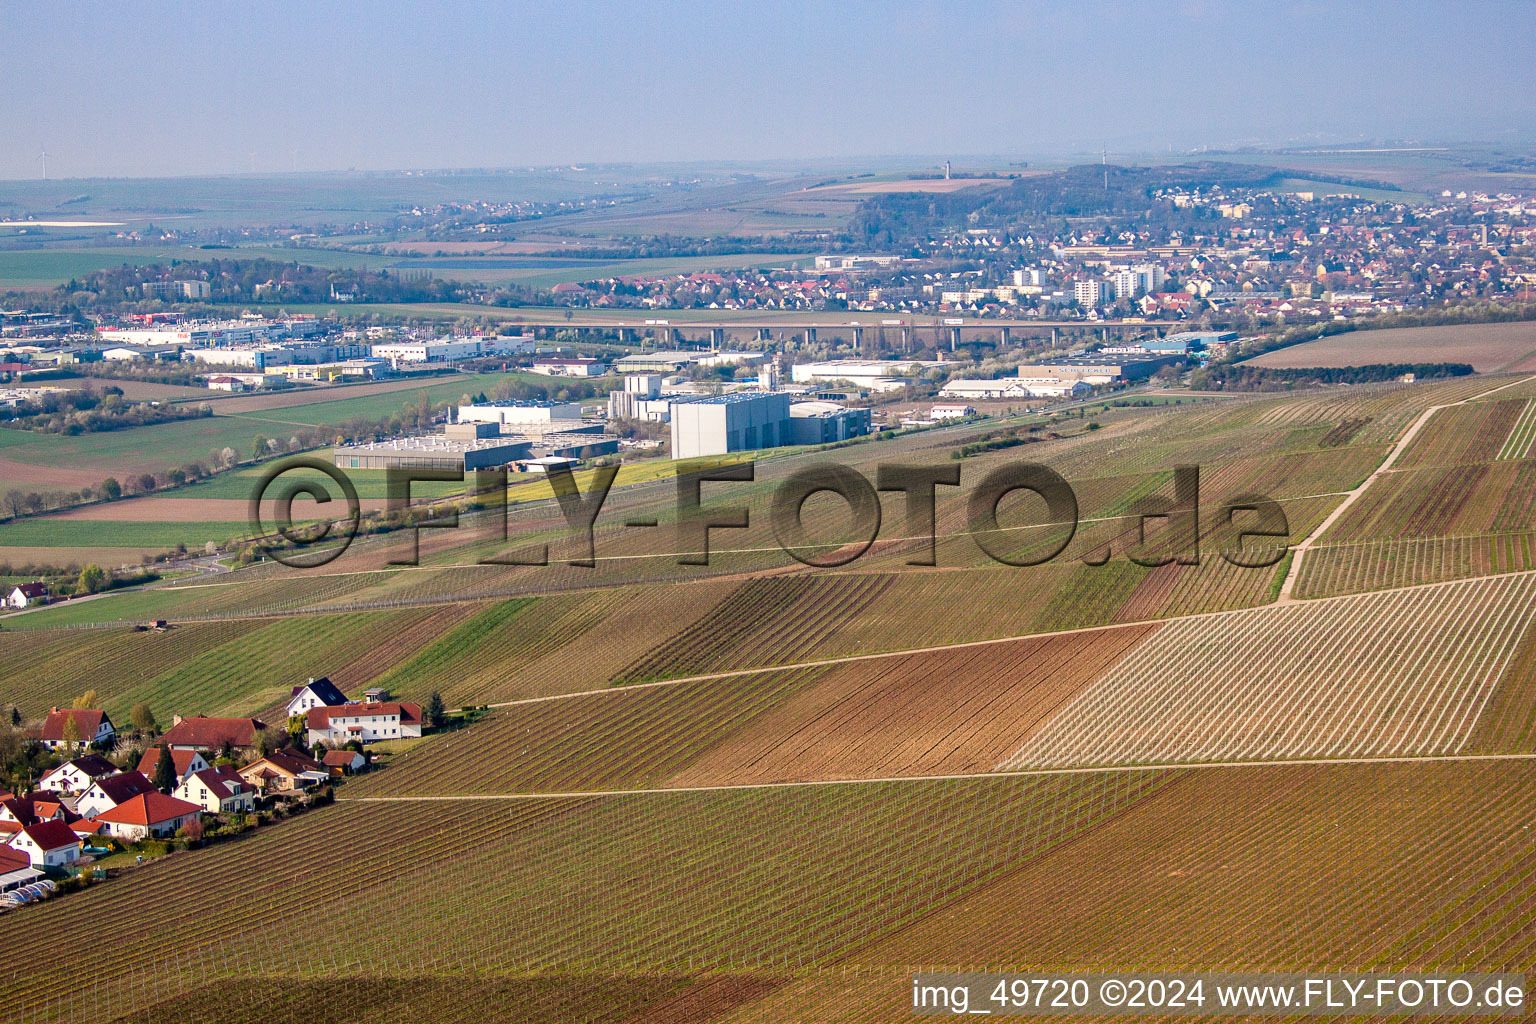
(436, 712)
(165, 771)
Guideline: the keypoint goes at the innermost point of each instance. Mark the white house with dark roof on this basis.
(77, 774)
(105, 794)
(317, 693)
(26, 595)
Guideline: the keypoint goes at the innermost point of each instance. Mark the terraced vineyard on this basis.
(763, 880)
(945, 712)
(1362, 566)
(1522, 435)
(628, 737)
(536, 999)
(47, 668)
(767, 621)
(1338, 868)
(260, 667)
(1475, 432)
(1327, 679)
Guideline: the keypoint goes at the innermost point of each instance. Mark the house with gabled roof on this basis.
(317, 693)
(199, 732)
(148, 814)
(218, 791)
(47, 844)
(76, 774)
(91, 726)
(284, 771)
(27, 594)
(105, 794)
(186, 762)
(366, 723)
(344, 762)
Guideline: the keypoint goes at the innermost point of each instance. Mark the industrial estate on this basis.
(757, 591)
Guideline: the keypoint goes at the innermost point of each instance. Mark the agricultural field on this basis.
(768, 881)
(1382, 564)
(1315, 679)
(1489, 348)
(761, 791)
(218, 666)
(1338, 868)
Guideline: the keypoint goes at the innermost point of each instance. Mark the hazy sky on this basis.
(148, 89)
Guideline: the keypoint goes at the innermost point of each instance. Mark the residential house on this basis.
(77, 774)
(18, 812)
(27, 595)
(91, 726)
(47, 844)
(316, 693)
(186, 762)
(367, 723)
(148, 814)
(344, 762)
(218, 791)
(284, 771)
(105, 794)
(202, 733)
(16, 869)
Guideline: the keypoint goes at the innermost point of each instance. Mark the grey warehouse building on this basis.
(434, 452)
(730, 423)
(826, 422)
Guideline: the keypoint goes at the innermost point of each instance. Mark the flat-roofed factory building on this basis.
(730, 423)
(462, 446)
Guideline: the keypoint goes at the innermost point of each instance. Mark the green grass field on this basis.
(51, 532)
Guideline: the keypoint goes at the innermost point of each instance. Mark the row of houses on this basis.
(87, 797)
(330, 718)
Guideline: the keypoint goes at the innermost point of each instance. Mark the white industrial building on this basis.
(641, 399)
(444, 350)
(874, 374)
(525, 417)
(554, 366)
(743, 421)
(1014, 387)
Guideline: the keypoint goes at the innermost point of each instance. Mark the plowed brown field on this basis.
(926, 714)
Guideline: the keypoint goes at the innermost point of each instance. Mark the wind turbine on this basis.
(43, 156)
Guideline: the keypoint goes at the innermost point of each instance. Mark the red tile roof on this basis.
(287, 762)
(212, 733)
(148, 809)
(341, 758)
(87, 721)
(13, 860)
(28, 810)
(51, 835)
(222, 782)
(320, 718)
(124, 786)
(182, 759)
